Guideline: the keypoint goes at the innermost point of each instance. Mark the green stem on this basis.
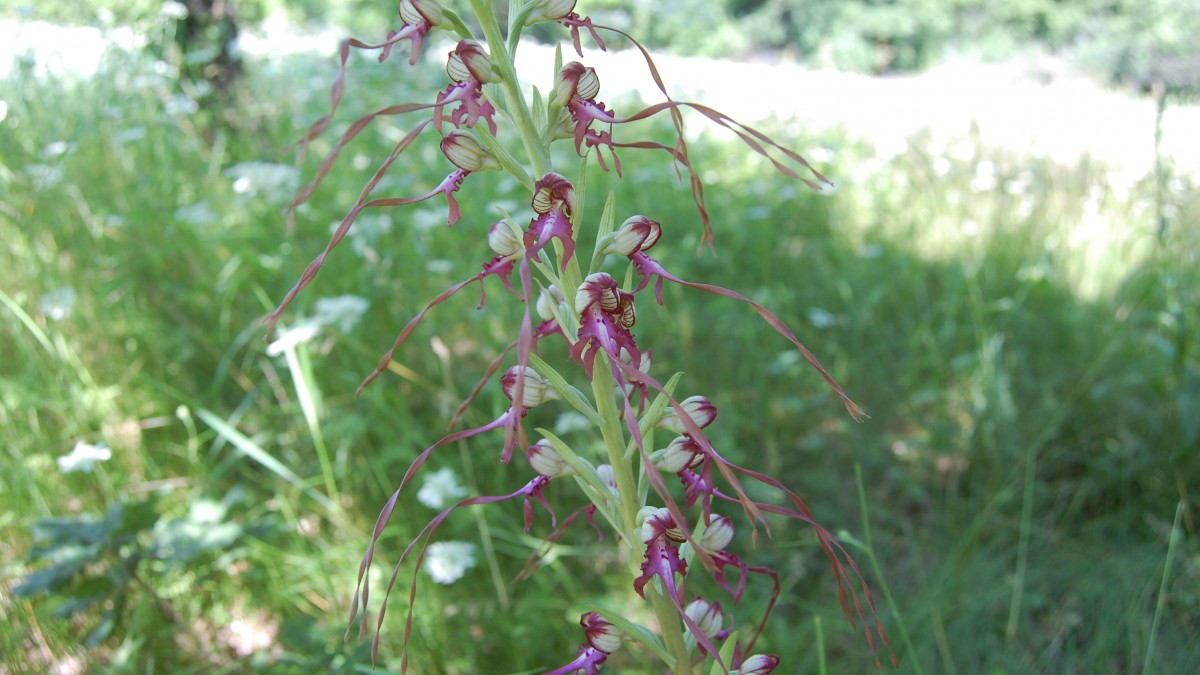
(539, 156)
(604, 390)
(868, 546)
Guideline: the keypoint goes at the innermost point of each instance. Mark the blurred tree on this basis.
(206, 38)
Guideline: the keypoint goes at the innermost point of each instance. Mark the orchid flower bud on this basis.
(588, 84)
(469, 61)
(415, 12)
(601, 634)
(575, 80)
(699, 408)
(610, 479)
(598, 288)
(466, 153)
(548, 300)
(553, 191)
(504, 240)
(546, 461)
(717, 534)
(536, 388)
(682, 453)
(706, 615)
(660, 520)
(637, 233)
(759, 664)
(552, 10)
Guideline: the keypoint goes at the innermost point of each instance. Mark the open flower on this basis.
(554, 202)
(419, 17)
(448, 561)
(469, 68)
(602, 639)
(440, 488)
(83, 457)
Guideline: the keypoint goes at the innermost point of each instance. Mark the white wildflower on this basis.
(448, 561)
(343, 311)
(440, 488)
(57, 304)
(83, 456)
(290, 338)
(272, 182)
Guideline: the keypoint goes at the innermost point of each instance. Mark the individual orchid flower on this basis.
(419, 17)
(552, 10)
(637, 233)
(759, 664)
(662, 535)
(682, 453)
(532, 390)
(709, 617)
(715, 539)
(585, 113)
(469, 68)
(554, 202)
(602, 639)
(605, 317)
(699, 408)
(545, 460)
(576, 89)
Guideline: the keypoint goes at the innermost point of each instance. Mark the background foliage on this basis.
(1124, 40)
(1020, 333)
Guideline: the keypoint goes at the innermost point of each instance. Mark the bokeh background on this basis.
(1005, 276)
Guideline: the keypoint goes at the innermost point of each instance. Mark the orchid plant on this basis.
(669, 535)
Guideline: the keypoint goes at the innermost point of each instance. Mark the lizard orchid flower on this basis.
(469, 68)
(602, 638)
(554, 203)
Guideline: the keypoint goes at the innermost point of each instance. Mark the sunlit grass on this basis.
(1023, 340)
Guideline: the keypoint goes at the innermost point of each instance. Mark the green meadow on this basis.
(1023, 334)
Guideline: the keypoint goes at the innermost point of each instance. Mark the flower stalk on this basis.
(663, 504)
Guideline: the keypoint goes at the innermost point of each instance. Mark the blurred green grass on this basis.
(1023, 341)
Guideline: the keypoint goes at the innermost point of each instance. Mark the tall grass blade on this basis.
(256, 453)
